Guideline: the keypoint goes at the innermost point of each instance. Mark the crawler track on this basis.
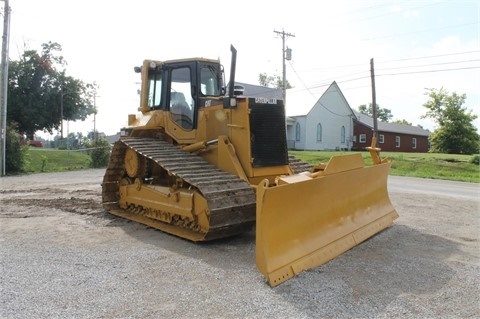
(231, 201)
(298, 166)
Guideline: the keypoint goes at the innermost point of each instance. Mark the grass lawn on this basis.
(424, 165)
(53, 160)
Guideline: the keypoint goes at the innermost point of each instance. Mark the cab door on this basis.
(181, 102)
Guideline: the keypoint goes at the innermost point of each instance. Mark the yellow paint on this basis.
(305, 221)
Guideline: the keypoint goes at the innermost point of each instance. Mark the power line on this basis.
(420, 31)
(388, 61)
(431, 64)
(430, 71)
(410, 69)
(345, 81)
(338, 79)
(432, 56)
(326, 83)
(403, 73)
(301, 80)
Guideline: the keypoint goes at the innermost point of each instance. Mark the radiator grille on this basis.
(268, 133)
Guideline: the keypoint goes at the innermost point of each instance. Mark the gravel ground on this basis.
(62, 256)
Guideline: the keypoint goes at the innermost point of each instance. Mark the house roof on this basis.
(251, 90)
(390, 127)
(301, 103)
(335, 87)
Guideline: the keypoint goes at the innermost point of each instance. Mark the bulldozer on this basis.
(201, 161)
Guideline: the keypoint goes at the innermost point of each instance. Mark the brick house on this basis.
(392, 137)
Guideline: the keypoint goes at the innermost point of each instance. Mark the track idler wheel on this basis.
(135, 164)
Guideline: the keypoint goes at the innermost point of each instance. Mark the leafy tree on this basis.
(272, 81)
(383, 114)
(40, 92)
(403, 122)
(456, 133)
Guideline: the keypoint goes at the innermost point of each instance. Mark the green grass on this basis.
(53, 160)
(425, 165)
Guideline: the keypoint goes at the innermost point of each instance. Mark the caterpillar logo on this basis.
(264, 100)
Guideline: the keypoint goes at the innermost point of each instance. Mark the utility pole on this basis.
(4, 85)
(94, 117)
(286, 55)
(61, 115)
(374, 100)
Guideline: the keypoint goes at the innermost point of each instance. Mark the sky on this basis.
(415, 45)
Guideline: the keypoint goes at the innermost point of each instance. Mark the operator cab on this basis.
(180, 87)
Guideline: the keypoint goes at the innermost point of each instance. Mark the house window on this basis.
(355, 138)
(414, 142)
(381, 138)
(342, 135)
(319, 132)
(297, 132)
(397, 141)
(363, 138)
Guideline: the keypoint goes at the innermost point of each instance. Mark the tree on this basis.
(384, 115)
(456, 133)
(272, 81)
(403, 122)
(39, 93)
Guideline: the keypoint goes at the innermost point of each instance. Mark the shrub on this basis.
(62, 146)
(99, 152)
(475, 159)
(44, 163)
(15, 152)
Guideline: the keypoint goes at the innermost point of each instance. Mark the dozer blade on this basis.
(307, 220)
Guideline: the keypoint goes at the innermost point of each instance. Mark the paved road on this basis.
(433, 187)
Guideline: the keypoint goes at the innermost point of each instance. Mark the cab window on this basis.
(209, 81)
(182, 104)
(154, 89)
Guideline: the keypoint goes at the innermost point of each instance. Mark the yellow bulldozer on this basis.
(201, 161)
